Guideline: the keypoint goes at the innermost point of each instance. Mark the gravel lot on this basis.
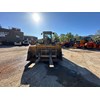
(78, 68)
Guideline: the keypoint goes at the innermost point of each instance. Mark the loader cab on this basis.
(47, 37)
(87, 39)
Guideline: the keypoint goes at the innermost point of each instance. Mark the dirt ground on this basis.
(87, 63)
(78, 68)
(85, 58)
(12, 62)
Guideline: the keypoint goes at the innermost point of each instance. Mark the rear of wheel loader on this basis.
(45, 52)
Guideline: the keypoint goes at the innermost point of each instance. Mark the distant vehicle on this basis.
(12, 36)
(86, 42)
(25, 43)
(18, 43)
(77, 44)
(65, 44)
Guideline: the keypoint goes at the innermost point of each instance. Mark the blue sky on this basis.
(82, 23)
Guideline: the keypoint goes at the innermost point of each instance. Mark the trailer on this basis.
(12, 36)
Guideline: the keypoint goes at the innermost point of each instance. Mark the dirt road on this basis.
(85, 58)
(12, 62)
(87, 63)
(78, 68)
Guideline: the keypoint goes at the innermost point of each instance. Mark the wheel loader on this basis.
(47, 51)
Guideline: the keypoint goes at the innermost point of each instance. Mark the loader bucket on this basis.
(44, 53)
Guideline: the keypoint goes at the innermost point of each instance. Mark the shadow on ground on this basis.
(9, 46)
(6, 46)
(64, 74)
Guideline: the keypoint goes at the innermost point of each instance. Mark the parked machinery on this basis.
(86, 42)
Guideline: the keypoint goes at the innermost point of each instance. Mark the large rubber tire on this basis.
(31, 57)
(59, 54)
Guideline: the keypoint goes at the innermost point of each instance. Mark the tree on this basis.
(77, 37)
(96, 37)
(56, 37)
(69, 36)
(62, 38)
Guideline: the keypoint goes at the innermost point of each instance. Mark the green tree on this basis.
(96, 36)
(62, 38)
(77, 37)
(69, 36)
(56, 37)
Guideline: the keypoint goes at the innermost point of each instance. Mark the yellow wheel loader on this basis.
(48, 50)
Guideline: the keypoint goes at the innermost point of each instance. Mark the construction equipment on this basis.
(98, 44)
(85, 42)
(48, 50)
(77, 44)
